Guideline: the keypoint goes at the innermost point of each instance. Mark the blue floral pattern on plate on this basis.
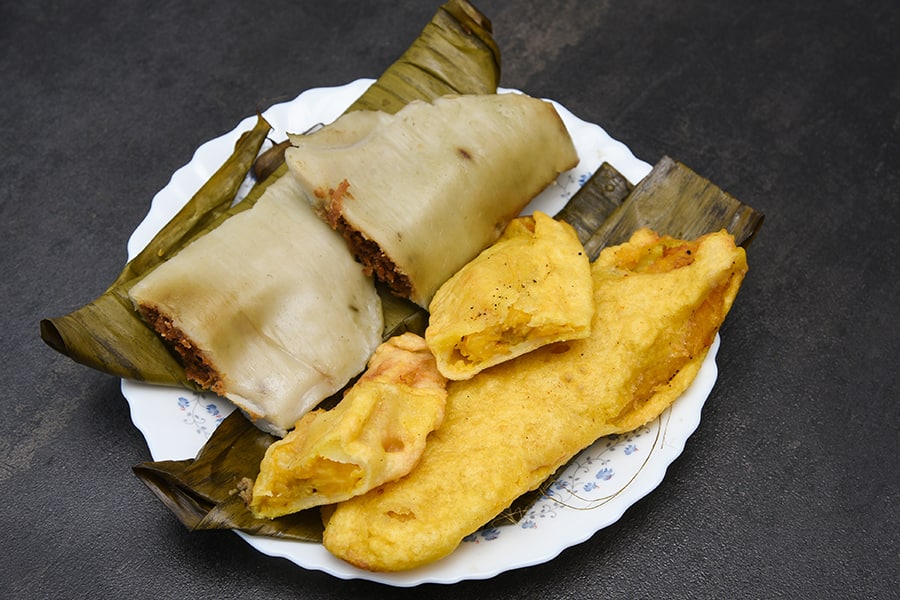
(200, 413)
(592, 479)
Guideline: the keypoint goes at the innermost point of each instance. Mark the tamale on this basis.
(658, 305)
(375, 434)
(268, 309)
(532, 287)
(420, 193)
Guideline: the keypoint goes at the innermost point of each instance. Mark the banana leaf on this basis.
(606, 210)
(458, 36)
(592, 204)
(206, 493)
(455, 53)
(672, 199)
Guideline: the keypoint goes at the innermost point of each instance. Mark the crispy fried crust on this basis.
(375, 434)
(658, 304)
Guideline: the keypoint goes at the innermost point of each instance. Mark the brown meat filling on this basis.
(196, 366)
(374, 260)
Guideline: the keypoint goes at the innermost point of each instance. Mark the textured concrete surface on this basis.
(789, 488)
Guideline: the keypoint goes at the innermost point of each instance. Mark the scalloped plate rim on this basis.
(476, 560)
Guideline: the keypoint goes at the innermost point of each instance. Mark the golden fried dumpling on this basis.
(420, 193)
(532, 287)
(375, 434)
(658, 305)
(269, 309)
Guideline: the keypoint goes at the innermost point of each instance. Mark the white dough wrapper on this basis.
(420, 193)
(269, 309)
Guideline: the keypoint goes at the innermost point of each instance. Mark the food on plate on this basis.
(530, 288)
(658, 303)
(376, 433)
(268, 309)
(420, 193)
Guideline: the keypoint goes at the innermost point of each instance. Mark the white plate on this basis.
(594, 491)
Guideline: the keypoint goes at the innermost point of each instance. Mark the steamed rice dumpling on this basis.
(375, 434)
(420, 193)
(532, 287)
(658, 305)
(269, 309)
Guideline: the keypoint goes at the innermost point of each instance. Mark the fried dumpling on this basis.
(269, 309)
(530, 288)
(375, 434)
(420, 193)
(658, 305)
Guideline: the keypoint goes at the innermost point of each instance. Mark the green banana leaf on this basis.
(672, 200)
(206, 493)
(455, 53)
(458, 36)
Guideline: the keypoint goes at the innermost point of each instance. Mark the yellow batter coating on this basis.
(658, 305)
(375, 434)
(532, 287)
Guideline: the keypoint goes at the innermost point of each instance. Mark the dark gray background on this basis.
(790, 486)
